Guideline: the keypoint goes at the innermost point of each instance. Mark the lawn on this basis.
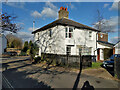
(95, 65)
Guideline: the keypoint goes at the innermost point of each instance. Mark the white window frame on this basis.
(67, 32)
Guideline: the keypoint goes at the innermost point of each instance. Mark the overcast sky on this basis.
(45, 12)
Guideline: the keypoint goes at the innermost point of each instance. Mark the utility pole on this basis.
(33, 25)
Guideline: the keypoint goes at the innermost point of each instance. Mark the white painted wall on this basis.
(117, 48)
(101, 54)
(3, 43)
(102, 46)
(80, 38)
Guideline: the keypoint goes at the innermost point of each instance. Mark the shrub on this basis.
(74, 65)
(37, 59)
(23, 54)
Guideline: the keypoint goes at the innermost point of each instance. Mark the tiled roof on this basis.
(65, 22)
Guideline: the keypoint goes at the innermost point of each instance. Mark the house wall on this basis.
(60, 42)
(117, 48)
(102, 46)
(101, 54)
(3, 43)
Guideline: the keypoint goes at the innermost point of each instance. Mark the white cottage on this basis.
(117, 48)
(65, 36)
(3, 43)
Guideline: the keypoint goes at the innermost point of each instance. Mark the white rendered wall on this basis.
(80, 37)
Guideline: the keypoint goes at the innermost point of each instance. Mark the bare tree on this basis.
(6, 23)
(102, 24)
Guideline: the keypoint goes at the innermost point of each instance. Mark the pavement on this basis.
(20, 73)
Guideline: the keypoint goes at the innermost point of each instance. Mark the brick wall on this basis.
(103, 37)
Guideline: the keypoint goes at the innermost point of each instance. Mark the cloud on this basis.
(51, 5)
(25, 36)
(72, 6)
(36, 14)
(108, 25)
(49, 11)
(16, 4)
(114, 39)
(106, 5)
(115, 6)
(31, 29)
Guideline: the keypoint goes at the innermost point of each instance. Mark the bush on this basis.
(37, 59)
(74, 65)
(23, 54)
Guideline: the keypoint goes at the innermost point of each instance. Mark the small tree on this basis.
(25, 48)
(33, 50)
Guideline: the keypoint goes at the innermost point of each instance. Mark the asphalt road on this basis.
(22, 74)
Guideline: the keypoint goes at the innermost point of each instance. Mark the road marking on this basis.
(7, 83)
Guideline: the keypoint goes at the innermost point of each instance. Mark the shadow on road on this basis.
(20, 79)
(15, 61)
(78, 77)
(87, 86)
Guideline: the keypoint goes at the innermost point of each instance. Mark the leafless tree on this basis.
(102, 24)
(6, 23)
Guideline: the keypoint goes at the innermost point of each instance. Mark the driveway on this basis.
(22, 74)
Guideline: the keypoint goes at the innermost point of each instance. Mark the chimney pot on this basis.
(61, 8)
(66, 9)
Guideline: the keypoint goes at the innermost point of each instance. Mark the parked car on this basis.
(12, 53)
(110, 62)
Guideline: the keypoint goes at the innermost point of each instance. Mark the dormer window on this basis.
(69, 32)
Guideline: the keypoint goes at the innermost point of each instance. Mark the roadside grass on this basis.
(95, 65)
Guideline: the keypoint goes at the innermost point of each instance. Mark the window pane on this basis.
(66, 30)
(68, 50)
(69, 35)
(66, 35)
(70, 30)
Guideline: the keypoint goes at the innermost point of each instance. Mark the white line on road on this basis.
(7, 83)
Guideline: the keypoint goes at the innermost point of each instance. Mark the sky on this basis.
(45, 12)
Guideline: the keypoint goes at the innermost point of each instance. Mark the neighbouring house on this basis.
(104, 48)
(18, 51)
(65, 36)
(3, 44)
(117, 48)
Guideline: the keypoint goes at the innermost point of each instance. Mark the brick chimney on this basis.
(103, 37)
(63, 13)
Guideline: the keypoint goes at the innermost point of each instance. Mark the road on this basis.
(22, 74)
